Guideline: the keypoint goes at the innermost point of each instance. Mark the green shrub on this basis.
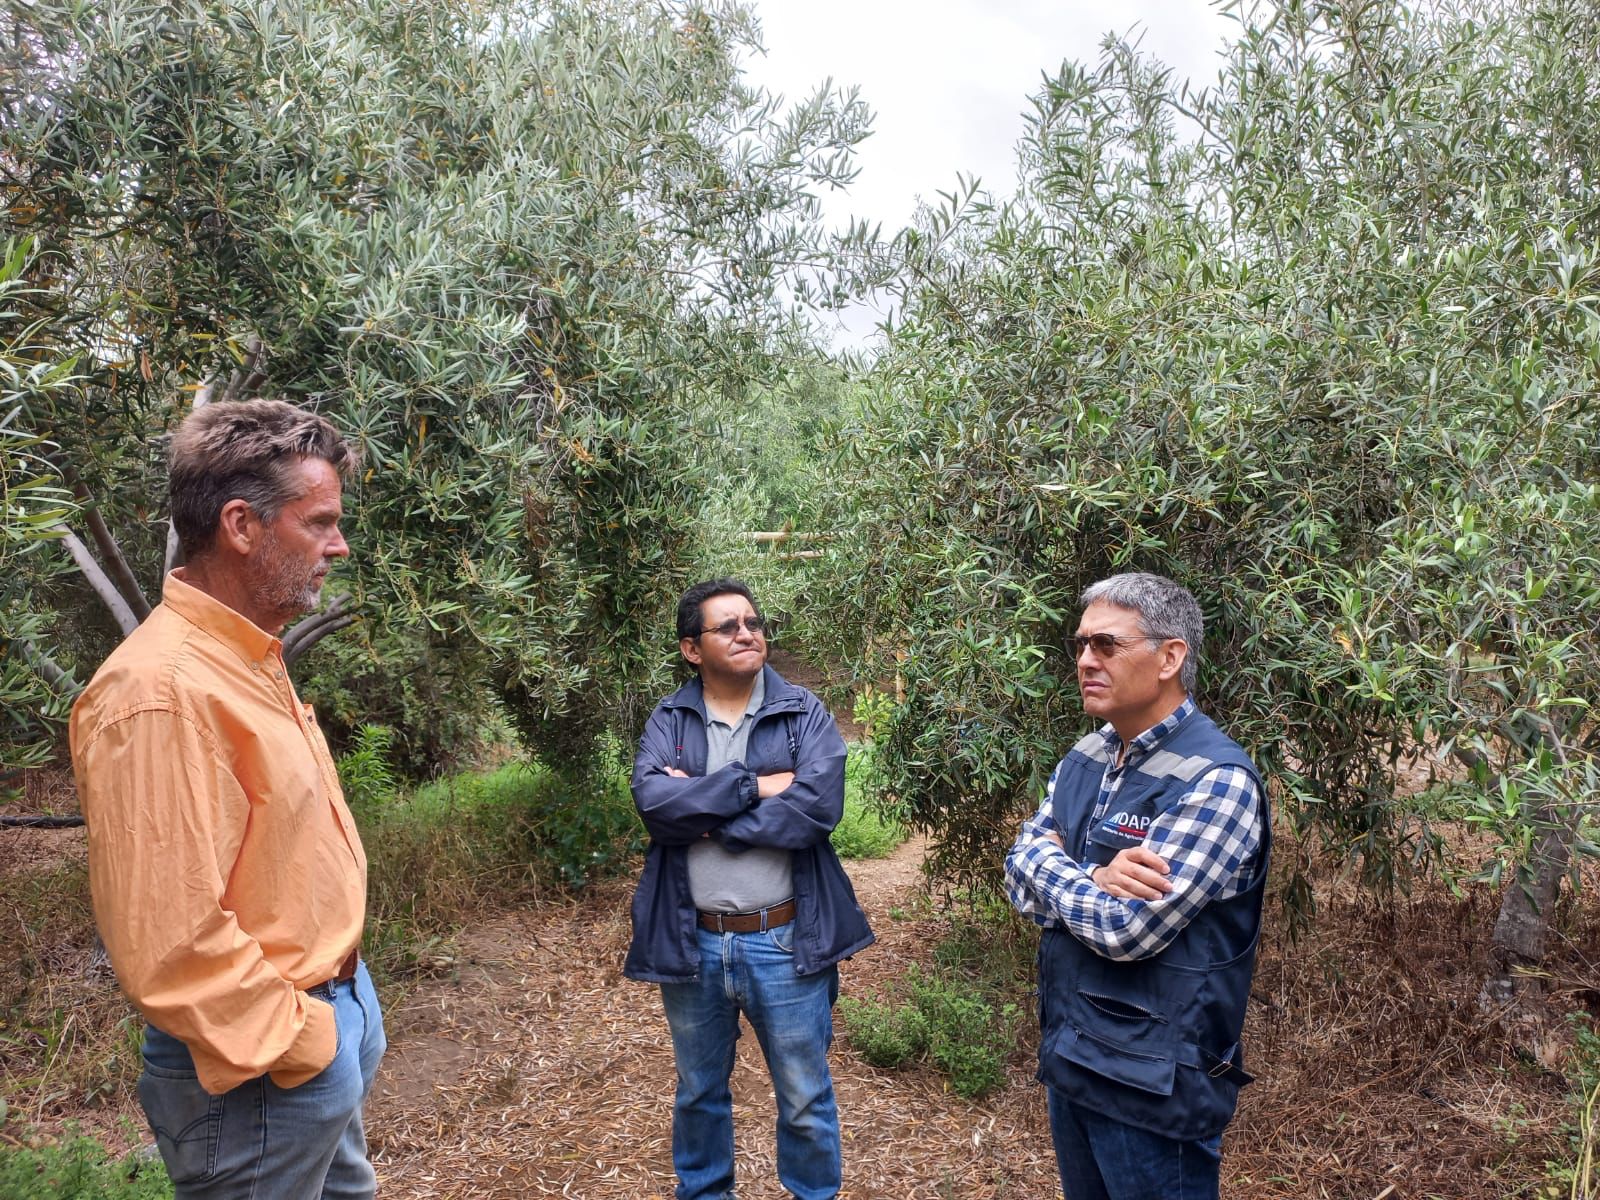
(885, 1034)
(968, 1038)
(366, 773)
(946, 1021)
(78, 1168)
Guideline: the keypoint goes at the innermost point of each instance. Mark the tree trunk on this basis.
(115, 604)
(1522, 929)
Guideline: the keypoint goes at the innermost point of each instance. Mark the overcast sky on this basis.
(948, 80)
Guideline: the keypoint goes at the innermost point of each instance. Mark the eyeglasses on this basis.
(1107, 644)
(730, 627)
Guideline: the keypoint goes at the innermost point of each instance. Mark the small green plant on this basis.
(944, 1021)
(887, 1035)
(1579, 1179)
(79, 1168)
(968, 1038)
(366, 773)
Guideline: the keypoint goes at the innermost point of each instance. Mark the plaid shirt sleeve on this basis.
(1207, 839)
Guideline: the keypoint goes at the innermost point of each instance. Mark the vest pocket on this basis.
(1115, 1061)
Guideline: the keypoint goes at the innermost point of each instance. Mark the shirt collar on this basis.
(1152, 737)
(233, 629)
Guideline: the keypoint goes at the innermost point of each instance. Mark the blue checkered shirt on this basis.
(1208, 838)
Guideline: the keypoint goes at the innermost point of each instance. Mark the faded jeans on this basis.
(260, 1141)
(792, 1015)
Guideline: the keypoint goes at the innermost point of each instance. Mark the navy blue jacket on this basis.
(792, 731)
(1153, 1042)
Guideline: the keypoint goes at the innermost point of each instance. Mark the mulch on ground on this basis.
(539, 1071)
(525, 1065)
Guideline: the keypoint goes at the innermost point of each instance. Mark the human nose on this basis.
(337, 547)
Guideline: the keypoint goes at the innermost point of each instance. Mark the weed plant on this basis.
(961, 1015)
(945, 1020)
(1579, 1179)
(79, 1168)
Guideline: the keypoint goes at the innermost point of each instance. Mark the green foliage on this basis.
(430, 693)
(944, 1020)
(78, 1168)
(509, 246)
(885, 1034)
(365, 774)
(868, 828)
(473, 841)
(1321, 343)
(33, 702)
(1580, 1177)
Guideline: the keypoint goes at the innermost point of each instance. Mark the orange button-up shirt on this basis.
(226, 872)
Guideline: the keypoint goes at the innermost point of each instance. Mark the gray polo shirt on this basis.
(760, 877)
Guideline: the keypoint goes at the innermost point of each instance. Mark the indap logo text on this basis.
(1130, 825)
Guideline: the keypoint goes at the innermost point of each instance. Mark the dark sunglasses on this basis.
(730, 627)
(1106, 644)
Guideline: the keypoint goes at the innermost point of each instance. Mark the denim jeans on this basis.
(792, 1015)
(1103, 1159)
(260, 1141)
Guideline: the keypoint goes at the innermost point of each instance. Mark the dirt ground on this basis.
(539, 1071)
(524, 1065)
(536, 1070)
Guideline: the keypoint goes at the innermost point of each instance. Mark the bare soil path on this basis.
(536, 1069)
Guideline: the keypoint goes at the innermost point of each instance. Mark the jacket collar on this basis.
(782, 696)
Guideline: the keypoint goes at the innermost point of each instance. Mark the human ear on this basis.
(238, 527)
(1174, 653)
(690, 649)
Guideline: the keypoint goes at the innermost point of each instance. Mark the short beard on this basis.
(284, 585)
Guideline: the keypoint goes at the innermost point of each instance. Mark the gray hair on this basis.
(244, 450)
(1165, 609)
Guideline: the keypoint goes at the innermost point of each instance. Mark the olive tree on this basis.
(1319, 341)
(509, 247)
(32, 507)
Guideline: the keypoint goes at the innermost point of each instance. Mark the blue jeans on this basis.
(792, 1015)
(1102, 1159)
(260, 1141)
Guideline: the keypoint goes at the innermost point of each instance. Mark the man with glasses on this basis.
(743, 905)
(1145, 865)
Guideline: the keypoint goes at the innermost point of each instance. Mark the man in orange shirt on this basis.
(229, 882)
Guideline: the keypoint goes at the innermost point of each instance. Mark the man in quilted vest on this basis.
(1145, 866)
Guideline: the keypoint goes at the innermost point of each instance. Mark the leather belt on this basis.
(347, 969)
(347, 972)
(750, 922)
